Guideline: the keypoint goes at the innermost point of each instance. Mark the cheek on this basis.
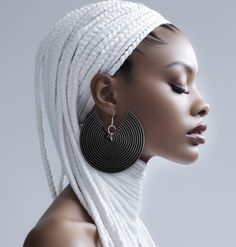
(161, 112)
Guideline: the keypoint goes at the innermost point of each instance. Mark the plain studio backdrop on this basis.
(182, 205)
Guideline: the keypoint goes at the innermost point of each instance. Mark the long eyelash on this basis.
(179, 89)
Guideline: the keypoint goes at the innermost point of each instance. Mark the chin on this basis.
(184, 156)
(188, 157)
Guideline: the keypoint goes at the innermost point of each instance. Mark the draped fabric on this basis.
(122, 192)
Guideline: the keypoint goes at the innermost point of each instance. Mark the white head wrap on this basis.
(95, 38)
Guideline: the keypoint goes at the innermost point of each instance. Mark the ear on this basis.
(104, 91)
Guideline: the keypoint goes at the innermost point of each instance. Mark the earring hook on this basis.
(110, 136)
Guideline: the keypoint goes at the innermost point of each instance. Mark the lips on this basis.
(198, 130)
(195, 134)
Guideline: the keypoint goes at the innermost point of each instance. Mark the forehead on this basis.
(177, 48)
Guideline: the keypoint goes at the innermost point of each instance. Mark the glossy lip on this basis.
(199, 128)
(195, 136)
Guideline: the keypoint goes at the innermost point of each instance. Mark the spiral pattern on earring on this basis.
(112, 154)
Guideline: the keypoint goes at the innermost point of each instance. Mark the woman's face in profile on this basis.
(166, 114)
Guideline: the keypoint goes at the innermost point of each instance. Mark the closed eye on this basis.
(178, 90)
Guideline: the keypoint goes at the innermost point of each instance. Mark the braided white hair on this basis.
(98, 37)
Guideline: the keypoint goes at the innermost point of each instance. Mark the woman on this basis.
(118, 89)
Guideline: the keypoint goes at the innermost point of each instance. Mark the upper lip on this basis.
(199, 128)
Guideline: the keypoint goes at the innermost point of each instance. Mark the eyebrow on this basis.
(184, 65)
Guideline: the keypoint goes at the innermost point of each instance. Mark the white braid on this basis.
(98, 37)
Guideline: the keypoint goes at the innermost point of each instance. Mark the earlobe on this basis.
(104, 91)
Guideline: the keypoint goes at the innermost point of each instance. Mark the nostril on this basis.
(205, 110)
(202, 113)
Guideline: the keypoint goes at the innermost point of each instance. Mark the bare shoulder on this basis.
(63, 233)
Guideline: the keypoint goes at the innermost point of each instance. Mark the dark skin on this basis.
(165, 115)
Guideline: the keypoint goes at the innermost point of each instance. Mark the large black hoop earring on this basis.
(112, 151)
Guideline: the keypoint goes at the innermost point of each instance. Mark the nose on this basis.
(200, 108)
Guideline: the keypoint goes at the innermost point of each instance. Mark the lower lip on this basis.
(196, 138)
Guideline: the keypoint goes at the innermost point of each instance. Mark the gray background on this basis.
(183, 205)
